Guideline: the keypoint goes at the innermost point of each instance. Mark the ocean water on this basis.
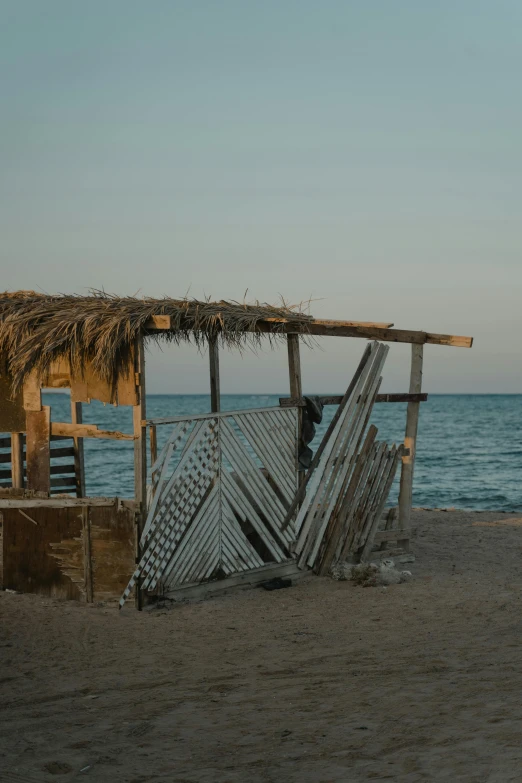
(469, 452)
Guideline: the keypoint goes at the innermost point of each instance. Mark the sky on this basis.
(362, 154)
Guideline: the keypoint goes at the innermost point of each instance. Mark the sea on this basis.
(469, 448)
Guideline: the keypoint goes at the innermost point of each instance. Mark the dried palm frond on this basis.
(100, 329)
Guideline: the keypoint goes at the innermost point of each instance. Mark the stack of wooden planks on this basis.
(351, 478)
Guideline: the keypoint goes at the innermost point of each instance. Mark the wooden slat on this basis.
(63, 481)
(292, 402)
(182, 560)
(79, 461)
(38, 449)
(62, 452)
(201, 416)
(273, 458)
(17, 460)
(86, 431)
(384, 491)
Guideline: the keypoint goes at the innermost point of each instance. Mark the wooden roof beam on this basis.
(327, 328)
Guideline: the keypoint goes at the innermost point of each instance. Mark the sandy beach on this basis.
(322, 682)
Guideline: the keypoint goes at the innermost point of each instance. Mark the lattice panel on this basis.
(218, 507)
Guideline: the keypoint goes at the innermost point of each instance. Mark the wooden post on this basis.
(17, 459)
(215, 393)
(87, 554)
(139, 413)
(153, 452)
(37, 449)
(79, 464)
(410, 442)
(294, 372)
(294, 366)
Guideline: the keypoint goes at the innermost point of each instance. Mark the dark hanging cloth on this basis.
(312, 414)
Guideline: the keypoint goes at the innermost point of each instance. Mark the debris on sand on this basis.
(371, 574)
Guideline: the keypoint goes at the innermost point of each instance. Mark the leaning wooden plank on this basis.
(38, 449)
(389, 523)
(315, 505)
(362, 430)
(86, 431)
(339, 475)
(348, 442)
(380, 506)
(327, 436)
(306, 522)
(375, 495)
(338, 528)
(356, 514)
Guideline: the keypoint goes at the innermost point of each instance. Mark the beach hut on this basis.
(57, 541)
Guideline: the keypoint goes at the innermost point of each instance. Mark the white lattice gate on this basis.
(222, 485)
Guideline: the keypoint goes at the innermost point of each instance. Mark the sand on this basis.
(325, 681)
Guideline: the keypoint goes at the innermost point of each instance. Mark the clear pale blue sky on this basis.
(365, 153)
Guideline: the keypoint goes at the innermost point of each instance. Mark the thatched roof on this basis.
(37, 329)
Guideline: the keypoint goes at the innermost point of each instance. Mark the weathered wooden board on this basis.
(75, 552)
(43, 551)
(113, 550)
(38, 449)
(12, 413)
(32, 393)
(89, 386)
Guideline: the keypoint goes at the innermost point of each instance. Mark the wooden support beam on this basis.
(79, 464)
(215, 393)
(86, 431)
(38, 449)
(410, 442)
(39, 502)
(139, 413)
(17, 459)
(294, 366)
(329, 328)
(292, 402)
(153, 452)
(295, 379)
